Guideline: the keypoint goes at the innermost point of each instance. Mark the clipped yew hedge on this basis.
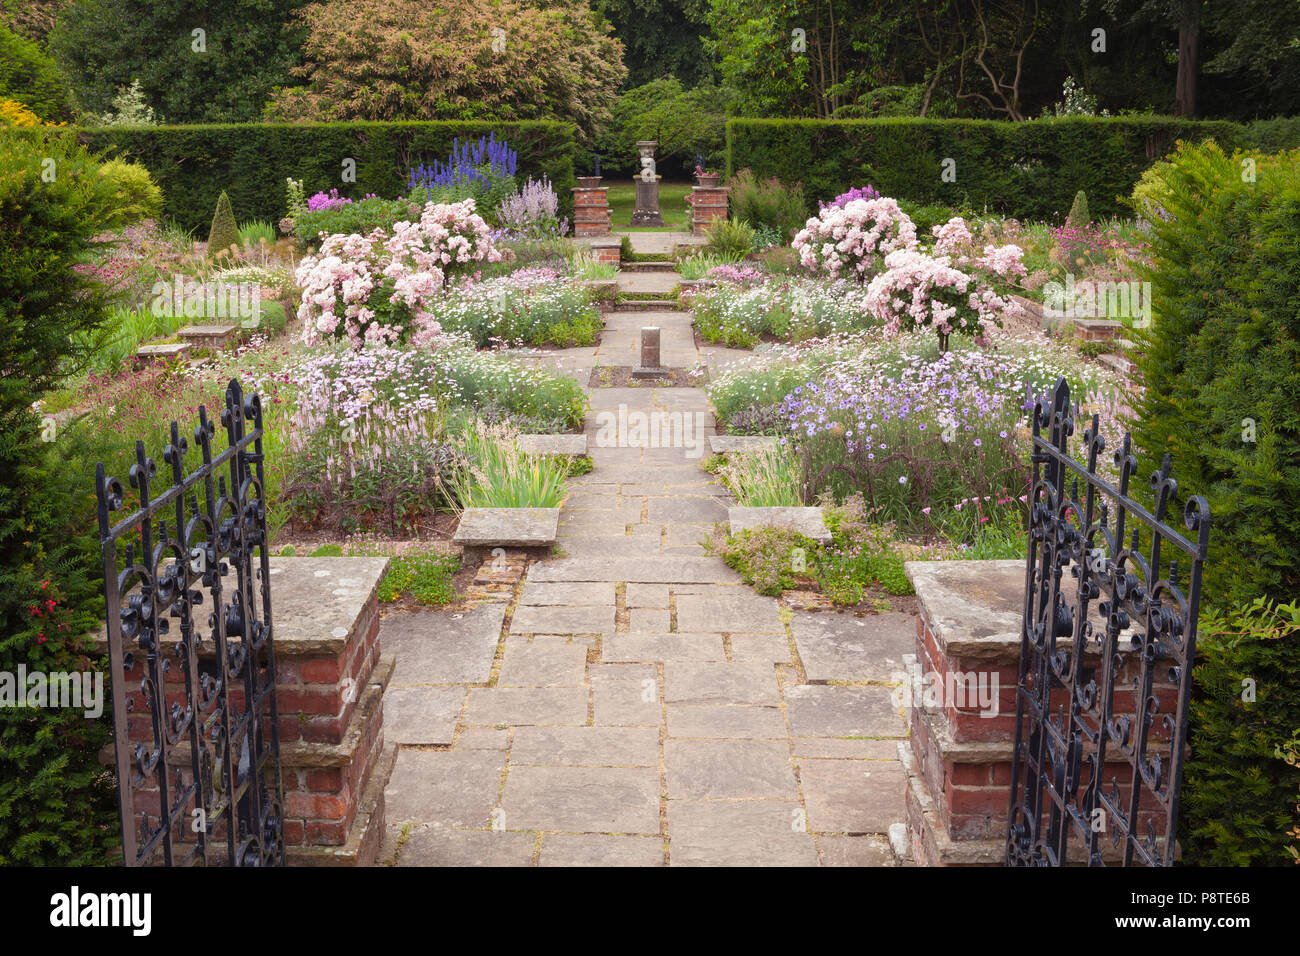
(1030, 170)
(250, 161)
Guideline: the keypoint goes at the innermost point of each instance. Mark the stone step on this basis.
(646, 305)
(164, 352)
(665, 266)
(805, 521)
(210, 336)
(741, 444)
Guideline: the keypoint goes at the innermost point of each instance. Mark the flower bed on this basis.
(792, 309)
(928, 438)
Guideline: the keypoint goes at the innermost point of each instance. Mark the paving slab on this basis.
(760, 647)
(822, 710)
(855, 851)
(842, 647)
(543, 665)
(556, 619)
(728, 609)
(582, 799)
(586, 747)
(646, 570)
(600, 849)
(593, 594)
(662, 647)
(443, 647)
(451, 787)
(722, 721)
(648, 620)
(853, 796)
(515, 706)
(626, 703)
(696, 510)
(646, 595)
(728, 769)
(738, 833)
(444, 846)
(422, 715)
(748, 682)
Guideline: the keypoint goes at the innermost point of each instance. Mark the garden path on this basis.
(636, 703)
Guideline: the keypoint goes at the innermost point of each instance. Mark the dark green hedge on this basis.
(251, 161)
(1031, 170)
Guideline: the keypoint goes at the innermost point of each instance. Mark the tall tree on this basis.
(197, 61)
(660, 38)
(503, 59)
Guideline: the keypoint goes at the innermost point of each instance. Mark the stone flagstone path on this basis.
(636, 704)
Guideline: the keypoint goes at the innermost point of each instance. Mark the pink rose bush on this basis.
(853, 240)
(956, 287)
(381, 287)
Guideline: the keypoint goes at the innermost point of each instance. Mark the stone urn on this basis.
(589, 182)
(707, 180)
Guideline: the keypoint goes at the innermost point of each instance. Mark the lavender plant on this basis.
(533, 212)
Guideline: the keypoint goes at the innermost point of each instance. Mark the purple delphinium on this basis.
(469, 163)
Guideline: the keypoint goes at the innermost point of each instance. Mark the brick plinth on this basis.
(591, 215)
(707, 204)
(961, 706)
(330, 680)
(606, 249)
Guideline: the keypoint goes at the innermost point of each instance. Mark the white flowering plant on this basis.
(380, 288)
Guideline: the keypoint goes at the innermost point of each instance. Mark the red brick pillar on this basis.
(707, 204)
(330, 682)
(590, 208)
(959, 755)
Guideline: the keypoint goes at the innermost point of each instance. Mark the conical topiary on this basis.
(224, 233)
(1079, 216)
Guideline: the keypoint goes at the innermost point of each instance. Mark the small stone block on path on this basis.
(740, 444)
(507, 527)
(572, 445)
(806, 521)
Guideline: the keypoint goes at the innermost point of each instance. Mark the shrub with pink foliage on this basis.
(377, 288)
(853, 240)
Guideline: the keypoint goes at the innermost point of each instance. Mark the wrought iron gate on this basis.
(1092, 764)
(196, 741)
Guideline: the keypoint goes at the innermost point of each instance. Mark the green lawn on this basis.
(672, 205)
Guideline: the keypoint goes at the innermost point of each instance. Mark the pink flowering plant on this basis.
(381, 288)
(851, 241)
(957, 287)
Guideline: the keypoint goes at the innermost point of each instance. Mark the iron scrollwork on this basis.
(191, 652)
(1100, 728)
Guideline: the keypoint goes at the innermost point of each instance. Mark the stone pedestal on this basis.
(647, 211)
(959, 757)
(707, 204)
(590, 208)
(330, 681)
